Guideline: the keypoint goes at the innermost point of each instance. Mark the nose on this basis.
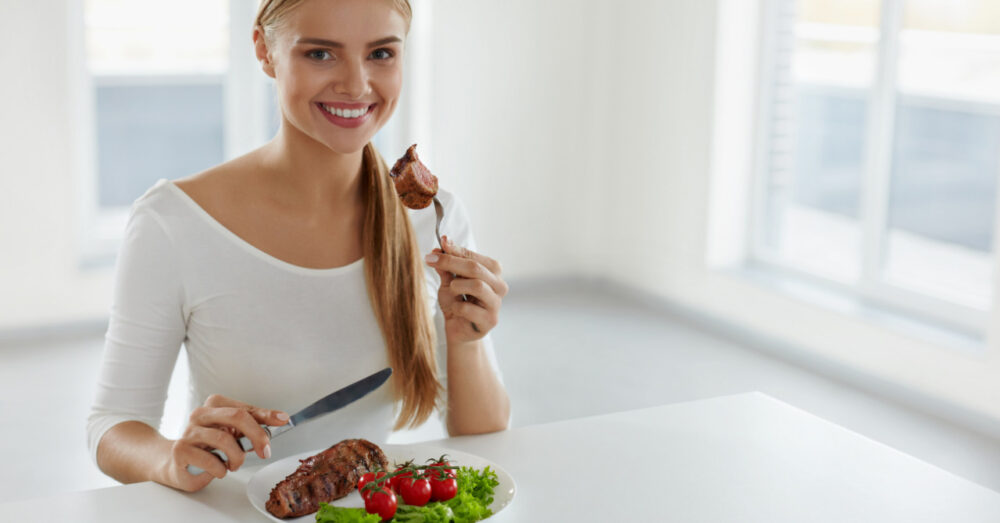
(353, 81)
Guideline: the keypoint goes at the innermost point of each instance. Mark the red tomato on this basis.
(416, 492)
(443, 489)
(440, 473)
(368, 477)
(383, 503)
(395, 481)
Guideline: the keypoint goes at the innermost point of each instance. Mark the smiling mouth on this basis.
(346, 113)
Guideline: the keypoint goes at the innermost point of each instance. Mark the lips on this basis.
(346, 114)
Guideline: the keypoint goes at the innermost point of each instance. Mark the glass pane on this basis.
(857, 13)
(945, 154)
(140, 142)
(157, 68)
(126, 37)
(817, 138)
(960, 16)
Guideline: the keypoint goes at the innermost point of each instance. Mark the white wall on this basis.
(514, 123)
(581, 136)
(40, 279)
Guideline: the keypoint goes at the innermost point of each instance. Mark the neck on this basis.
(308, 174)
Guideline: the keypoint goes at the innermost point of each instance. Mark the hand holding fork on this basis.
(471, 286)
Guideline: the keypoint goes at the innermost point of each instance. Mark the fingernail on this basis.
(281, 416)
(431, 258)
(267, 451)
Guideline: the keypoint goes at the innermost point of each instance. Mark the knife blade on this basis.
(334, 401)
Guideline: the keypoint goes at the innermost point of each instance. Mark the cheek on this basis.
(391, 84)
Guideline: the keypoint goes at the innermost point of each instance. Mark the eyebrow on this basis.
(338, 45)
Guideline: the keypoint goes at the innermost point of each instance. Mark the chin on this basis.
(346, 147)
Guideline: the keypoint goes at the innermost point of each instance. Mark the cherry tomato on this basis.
(382, 502)
(368, 477)
(443, 489)
(440, 473)
(415, 491)
(395, 481)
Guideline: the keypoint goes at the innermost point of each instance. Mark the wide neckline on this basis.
(249, 247)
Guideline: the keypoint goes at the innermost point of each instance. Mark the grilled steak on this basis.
(414, 183)
(329, 475)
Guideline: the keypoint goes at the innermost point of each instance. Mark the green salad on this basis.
(470, 502)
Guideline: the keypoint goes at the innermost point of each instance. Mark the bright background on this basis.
(596, 141)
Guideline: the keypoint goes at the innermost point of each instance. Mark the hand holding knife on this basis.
(329, 403)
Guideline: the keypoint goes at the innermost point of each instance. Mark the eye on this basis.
(319, 55)
(382, 54)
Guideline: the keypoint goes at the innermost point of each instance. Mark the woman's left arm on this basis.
(477, 400)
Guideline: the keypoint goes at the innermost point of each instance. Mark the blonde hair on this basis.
(271, 13)
(394, 271)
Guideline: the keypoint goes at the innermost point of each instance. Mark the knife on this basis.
(325, 405)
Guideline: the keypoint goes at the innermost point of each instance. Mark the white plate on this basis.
(260, 484)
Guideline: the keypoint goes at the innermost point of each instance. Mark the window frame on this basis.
(871, 288)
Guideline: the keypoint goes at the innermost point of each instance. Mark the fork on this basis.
(439, 210)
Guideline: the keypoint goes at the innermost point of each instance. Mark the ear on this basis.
(262, 52)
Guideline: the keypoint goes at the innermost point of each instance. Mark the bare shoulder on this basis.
(217, 187)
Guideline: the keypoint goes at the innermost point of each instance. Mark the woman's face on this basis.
(338, 65)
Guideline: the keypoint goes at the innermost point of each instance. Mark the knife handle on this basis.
(243, 442)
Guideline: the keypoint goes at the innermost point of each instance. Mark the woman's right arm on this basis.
(147, 327)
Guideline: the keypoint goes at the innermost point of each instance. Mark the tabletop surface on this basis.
(746, 457)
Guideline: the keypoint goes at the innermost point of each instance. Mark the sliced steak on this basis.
(329, 475)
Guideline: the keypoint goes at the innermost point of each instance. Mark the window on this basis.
(877, 175)
(158, 75)
(162, 83)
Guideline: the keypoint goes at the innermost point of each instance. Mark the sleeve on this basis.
(457, 227)
(145, 331)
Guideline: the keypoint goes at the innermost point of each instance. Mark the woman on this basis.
(293, 271)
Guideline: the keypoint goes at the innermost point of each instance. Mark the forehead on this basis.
(347, 21)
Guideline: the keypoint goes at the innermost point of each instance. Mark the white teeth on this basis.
(344, 113)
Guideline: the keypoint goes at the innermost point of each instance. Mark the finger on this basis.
(444, 276)
(204, 459)
(209, 438)
(274, 418)
(240, 418)
(475, 314)
(209, 463)
(468, 268)
(452, 248)
(477, 289)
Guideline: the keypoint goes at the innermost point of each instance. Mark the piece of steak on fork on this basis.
(329, 475)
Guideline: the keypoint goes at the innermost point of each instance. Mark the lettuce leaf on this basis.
(330, 514)
(435, 512)
(478, 483)
(468, 508)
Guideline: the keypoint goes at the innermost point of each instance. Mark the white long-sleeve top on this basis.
(255, 328)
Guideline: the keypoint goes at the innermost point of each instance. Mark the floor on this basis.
(567, 350)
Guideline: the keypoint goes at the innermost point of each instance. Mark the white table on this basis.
(745, 458)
